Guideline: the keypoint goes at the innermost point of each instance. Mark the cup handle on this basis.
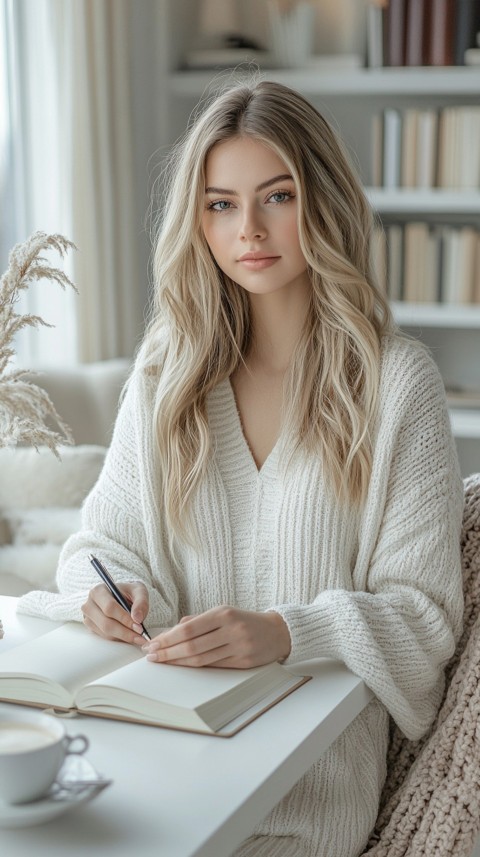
(69, 740)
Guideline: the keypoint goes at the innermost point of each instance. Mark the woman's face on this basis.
(250, 217)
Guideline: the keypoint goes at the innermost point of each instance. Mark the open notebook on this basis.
(71, 668)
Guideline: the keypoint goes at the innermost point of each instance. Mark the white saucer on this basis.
(61, 798)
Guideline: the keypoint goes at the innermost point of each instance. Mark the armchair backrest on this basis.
(86, 396)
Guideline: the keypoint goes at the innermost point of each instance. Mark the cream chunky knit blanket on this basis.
(431, 799)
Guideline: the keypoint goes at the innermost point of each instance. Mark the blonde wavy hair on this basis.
(200, 325)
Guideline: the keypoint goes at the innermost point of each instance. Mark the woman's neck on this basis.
(277, 323)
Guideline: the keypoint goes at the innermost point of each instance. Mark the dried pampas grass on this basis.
(25, 407)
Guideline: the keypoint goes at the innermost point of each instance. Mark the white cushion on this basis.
(40, 500)
(25, 567)
(37, 479)
(42, 526)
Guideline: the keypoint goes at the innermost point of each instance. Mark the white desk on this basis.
(176, 794)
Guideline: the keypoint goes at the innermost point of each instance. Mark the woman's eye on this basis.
(219, 205)
(280, 196)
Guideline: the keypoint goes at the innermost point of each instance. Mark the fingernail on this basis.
(137, 628)
(151, 658)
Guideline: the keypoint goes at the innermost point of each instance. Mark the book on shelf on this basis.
(458, 143)
(446, 148)
(421, 32)
(433, 263)
(426, 148)
(376, 150)
(421, 264)
(476, 273)
(70, 668)
(442, 23)
(395, 23)
(394, 233)
(392, 147)
(415, 236)
(378, 249)
(467, 239)
(426, 151)
(416, 32)
(458, 264)
(410, 118)
(419, 129)
(469, 145)
(376, 31)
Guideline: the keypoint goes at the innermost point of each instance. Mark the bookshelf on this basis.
(349, 99)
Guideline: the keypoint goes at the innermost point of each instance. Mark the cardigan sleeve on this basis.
(119, 525)
(400, 630)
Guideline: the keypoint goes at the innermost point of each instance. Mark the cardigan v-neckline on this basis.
(237, 427)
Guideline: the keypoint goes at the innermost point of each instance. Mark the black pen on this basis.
(102, 571)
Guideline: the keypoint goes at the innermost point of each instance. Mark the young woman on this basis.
(282, 482)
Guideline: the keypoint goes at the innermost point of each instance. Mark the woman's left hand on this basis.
(223, 637)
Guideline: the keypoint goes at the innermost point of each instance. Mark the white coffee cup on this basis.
(33, 746)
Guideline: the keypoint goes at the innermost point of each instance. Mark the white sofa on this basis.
(40, 497)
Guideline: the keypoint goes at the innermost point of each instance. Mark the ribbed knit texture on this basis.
(379, 589)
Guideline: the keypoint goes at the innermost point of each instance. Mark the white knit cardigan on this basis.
(379, 589)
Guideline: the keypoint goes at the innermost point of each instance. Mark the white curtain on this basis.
(70, 108)
(102, 185)
(33, 189)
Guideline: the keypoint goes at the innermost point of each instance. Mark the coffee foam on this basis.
(17, 737)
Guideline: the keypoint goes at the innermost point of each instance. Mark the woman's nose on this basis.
(252, 227)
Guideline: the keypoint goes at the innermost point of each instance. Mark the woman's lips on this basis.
(259, 263)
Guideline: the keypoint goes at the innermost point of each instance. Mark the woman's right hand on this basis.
(105, 617)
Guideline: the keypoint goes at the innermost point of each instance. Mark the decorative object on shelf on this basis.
(472, 56)
(220, 42)
(340, 32)
(291, 31)
(218, 20)
(467, 28)
(230, 34)
(25, 407)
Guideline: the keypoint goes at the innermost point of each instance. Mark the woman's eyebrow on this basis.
(262, 186)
